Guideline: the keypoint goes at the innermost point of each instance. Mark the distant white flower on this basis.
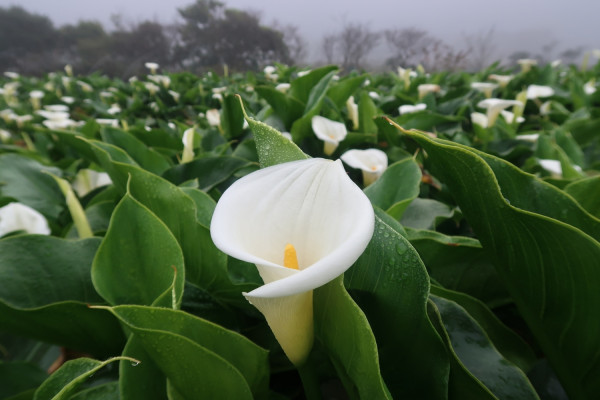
(106, 94)
(409, 108)
(374, 95)
(188, 145)
(302, 73)
(495, 106)
(69, 69)
(4, 136)
(335, 78)
(287, 135)
(532, 137)
(49, 86)
(270, 73)
(59, 123)
(86, 87)
(56, 108)
(68, 99)
(152, 66)
(7, 115)
(66, 81)
(114, 109)
(213, 116)
(21, 119)
(175, 95)
(87, 180)
(172, 125)
(405, 75)
(555, 63)
(151, 87)
(372, 163)
(352, 109)
(509, 117)
(426, 88)
(479, 119)
(249, 88)
(217, 96)
(485, 87)
(283, 87)
(330, 132)
(108, 122)
(589, 87)
(19, 217)
(53, 115)
(133, 79)
(546, 107)
(221, 89)
(554, 167)
(526, 63)
(36, 94)
(537, 91)
(11, 75)
(162, 80)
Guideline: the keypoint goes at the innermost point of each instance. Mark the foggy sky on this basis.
(518, 24)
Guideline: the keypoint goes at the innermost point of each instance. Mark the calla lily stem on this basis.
(312, 389)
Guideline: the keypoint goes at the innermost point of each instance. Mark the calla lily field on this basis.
(295, 233)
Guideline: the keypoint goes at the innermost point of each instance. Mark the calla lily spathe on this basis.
(372, 163)
(409, 108)
(537, 91)
(310, 205)
(19, 217)
(495, 106)
(330, 132)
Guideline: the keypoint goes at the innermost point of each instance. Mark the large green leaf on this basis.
(586, 192)
(475, 351)
(459, 263)
(537, 236)
(366, 113)
(396, 187)
(22, 179)
(16, 377)
(46, 287)
(206, 266)
(63, 383)
(286, 107)
(342, 90)
(201, 359)
(232, 117)
(301, 87)
(209, 171)
(273, 148)
(345, 333)
(130, 268)
(390, 284)
(146, 157)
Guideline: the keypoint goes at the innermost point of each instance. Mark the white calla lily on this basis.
(502, 80)
(188, 145)
(495, 106)
(479, 119)
(510, 117)
(152, 66)
(526, 63)
(372, 163)
(485, 87)
(409, 108)
(303, 224)
(352, 108)
(87, 180)
(213, 116)
(590, 87)
(426, 88)
(530, 137)
(537, 91)
(19, 217)
(330, 132)
(283, 87)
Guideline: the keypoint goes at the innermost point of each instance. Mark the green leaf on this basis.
(134, 268)
(509, 344)
(342, 90)
(302, 87)
(22, 179)
(201, 359)
(396, 187)
(302, 127)
(16, 377)
(209, 171)
(425, 213)
(146, 157)
(586, 192)
(345, 332)
(273, 148)
(285, 107)
(551, 269)
(366, 112)
(461, 264)
(425, 120)
(63, 383)
(143, 381)
(390, 284)
(232, 117)
(474, 350)
(105, 391)
(206, 266)
(45, 289)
